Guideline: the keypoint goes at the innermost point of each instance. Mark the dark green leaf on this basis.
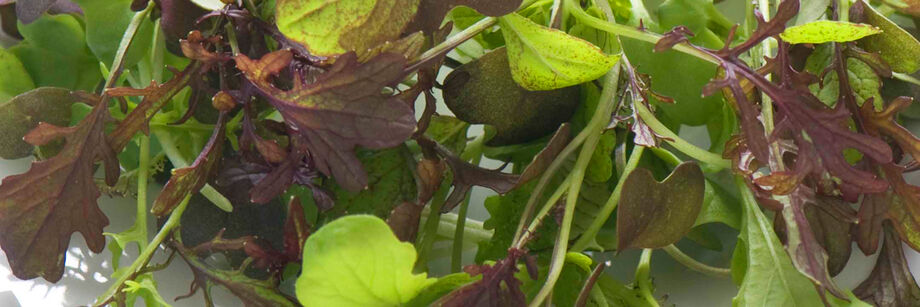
(390, 183)
(654, 214)
(483, 92)
(23, 113)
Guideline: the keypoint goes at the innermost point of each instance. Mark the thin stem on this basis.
(126, 40)
(843, 10)
(453, 41)
(473, 230)
(430, 232)
(456, 259)
(906, 78)
(143, 169)
(588, 236)
(231, 36)
(714, 162)
(630, 32)
(148, 251)
(692, 264)
(643, 277)
(589, 284)
(174, 156)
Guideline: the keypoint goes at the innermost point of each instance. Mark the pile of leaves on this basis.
(303, 139)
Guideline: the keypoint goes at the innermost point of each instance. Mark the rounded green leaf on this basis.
(333, 27)
(542, 58)
(14, 79)
(357, 261)
(22, 113)
(823, 31)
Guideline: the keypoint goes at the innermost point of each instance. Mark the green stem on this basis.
(588, 236)
(126, 40)
(172, 152)
(473, 230)
(714, 162)
(143, 169)
(843, 10)
(643, 277)
(626, 31)
(454, 41)
(430, 232)
(231, 36)
(577, 176)
(692, 264)
(550, 202)
(906, 78)
(148, 251)
(456, 259)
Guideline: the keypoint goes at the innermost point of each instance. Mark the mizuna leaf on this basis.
(339, 270)
(498, 286)
(24, 112)
(344, 108)
(40, 209)
(871, 214)
(769, 278)
(884, 122)
(653, 214)
(890, 284)
(897, 47)
(543, 58)
(189, 180)
(330, 28)
(823, 31)
(483, 92)
(806, 252)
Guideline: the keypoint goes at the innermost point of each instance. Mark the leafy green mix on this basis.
(295, 147)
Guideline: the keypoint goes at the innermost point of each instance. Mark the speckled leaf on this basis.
(483, 92)
(357, 261)
(390, 182)
(654, 214)
(542, 58)
(823, 31)
(14, 79)
(896, 46)
(23, 113)
(329, 28)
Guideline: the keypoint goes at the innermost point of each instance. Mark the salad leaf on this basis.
(543, 58)
(14, 79)
(338, 269)
(106, 23)
(41, 208)
(897, 47)
(890, 283)
(823, 31)
(329, 28)
(343, 109)
(390, 183)
(26, 111)
(653, 214)
(55, 54)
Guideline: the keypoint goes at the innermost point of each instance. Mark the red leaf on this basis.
(40, 209)
(343, 109)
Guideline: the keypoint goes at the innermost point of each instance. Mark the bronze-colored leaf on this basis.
(24, 112)
(891, 283)
(654, 214)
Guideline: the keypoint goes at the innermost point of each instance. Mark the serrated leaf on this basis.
(329, 28)
(654, 214)
(896, 46)
(823, 31)
(543, 58)
(24, 112)
(339, 270)
(343, 109)
(14, 79)
(40, 209)
(483, 92)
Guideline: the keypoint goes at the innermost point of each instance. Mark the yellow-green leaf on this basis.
(358, 261)
(14, 79)
(897, 47)
(542, 58)
(823, 31)
(333, 27)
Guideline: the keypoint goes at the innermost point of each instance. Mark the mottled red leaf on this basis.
(497, 288)
(40, 209)
(342, 109)
(890, 284)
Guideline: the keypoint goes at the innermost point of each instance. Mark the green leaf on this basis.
(442, 287)
(106, 23)
(54, 53)
(811, 11)
(19, 115)
(14, 79)
(329, 28)
(769, 279)
(504, 213)
(896, 46)
(600, 168)
(863, 80)
(390, 182)
(700, 16)
(542, 58)
(483, 92)
(357, 261)
(448, 131)
(823, 31)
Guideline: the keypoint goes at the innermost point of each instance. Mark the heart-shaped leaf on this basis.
(823, 31)
(543, 59)
(655, 214)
